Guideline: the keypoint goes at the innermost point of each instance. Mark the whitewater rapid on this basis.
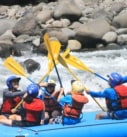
(101, 62)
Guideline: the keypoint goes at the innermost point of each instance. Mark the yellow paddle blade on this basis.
(53, 48)
(14, 67)
(75, 62)
(63, 62)
(66, 56)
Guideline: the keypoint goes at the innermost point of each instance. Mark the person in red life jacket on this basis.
(72, 103)
(32, 109)
(52, 107)
(11, 96)
(115, 96)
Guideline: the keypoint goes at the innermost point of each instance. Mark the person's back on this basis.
(11, 95)
(116, 98)
(72, 105)
(34, 107)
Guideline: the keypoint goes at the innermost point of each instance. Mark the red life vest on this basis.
(121, 91)
(75, 109)
(51, 104)
(122, 95)
(34, 110)
(9, 103)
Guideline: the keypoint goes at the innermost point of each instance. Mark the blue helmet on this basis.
(10, 80)
(33, 90)
(115, 79)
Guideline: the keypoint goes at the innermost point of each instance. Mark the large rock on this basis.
(102, 14)
(120, 21)
(22, 47)
(68, 9)
(31, 65)
(74, 45)
(110, 37)
(91, 33)
(44, 16)
(6, 24)
(7, 50)
(27, 25)
(116, 7)
(122, 39)
(59, 35)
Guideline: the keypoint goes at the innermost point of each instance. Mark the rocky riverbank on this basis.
(77, 24)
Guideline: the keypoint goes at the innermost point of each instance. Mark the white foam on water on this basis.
(101, 62)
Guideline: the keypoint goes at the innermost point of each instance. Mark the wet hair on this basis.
(29, 99)
(72, 81)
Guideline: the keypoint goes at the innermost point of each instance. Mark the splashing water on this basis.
(101, 62)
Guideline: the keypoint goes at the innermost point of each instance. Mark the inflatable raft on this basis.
(89, 127)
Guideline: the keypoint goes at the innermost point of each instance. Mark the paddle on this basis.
(17, 69)
(75, 62)
(63, 62)
(61, 59)
(55, 51)
(50, 45)
(50, 64)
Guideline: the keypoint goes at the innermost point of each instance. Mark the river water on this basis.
(101, 62)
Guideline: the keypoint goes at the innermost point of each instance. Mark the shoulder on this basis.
(66, 97)
(35, 101)
(109, 90)
(6, 90)
(80, 98)
(36, 104)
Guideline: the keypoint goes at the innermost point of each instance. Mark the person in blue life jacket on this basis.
(32, 109)
(52, 107)
(115, 96)
(72, 104)
(12, 95)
